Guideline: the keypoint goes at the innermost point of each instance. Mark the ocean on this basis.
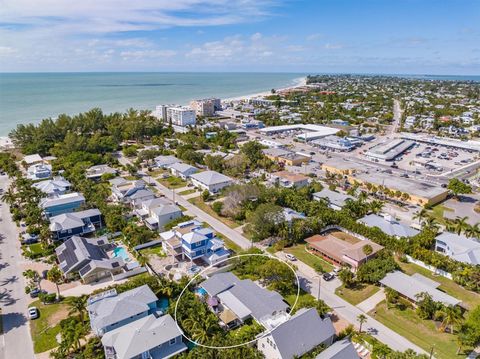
(31, 97)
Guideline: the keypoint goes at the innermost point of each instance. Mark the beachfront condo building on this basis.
(176, 115)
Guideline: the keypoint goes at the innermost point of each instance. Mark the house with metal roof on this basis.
(122, 189)
(66, 225)
(112, 311)
(236, 300)
(335, 200)
(64, 203)
(88, 257)
(295, 337)
(458, 247)
(182, 170)
(157, 212)
(411, 286)
(211, 181)
(31, 159)
(341, 349)
(136, 198)
(96, 172)
(39, 171)
(389, 225)
(166, 161)
(154, 337)
(53, 187)
(289, 179)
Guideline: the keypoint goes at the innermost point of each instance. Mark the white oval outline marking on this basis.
(224, 260)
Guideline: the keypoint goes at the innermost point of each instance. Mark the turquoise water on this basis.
(201, 291)
(163, 304)
(120, 252)
(31, 97)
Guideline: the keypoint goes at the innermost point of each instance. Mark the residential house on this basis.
(53, 187)
(302, 333)
(389, 225)
(88, 257)
(182, 170)
(335, 200)
(64, 203)
(157, 212)
(211, 181)
(135, 199)
(410, 286)
(66, 225)
(235, 300)
(288, 179)
(32, 159)
(190, 240)
(165, 161)
(39, 171)
(342, 349)
(96, 172)
(153, 337)
(341, 252)
(122, 189)
(109, 310)
(458, 247)
(290, 215)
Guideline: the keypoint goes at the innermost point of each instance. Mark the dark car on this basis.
(34, 293)
(328, 276)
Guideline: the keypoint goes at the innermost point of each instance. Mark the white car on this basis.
(33, 313)
(290, 257)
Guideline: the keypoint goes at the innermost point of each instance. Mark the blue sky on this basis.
(361, 36)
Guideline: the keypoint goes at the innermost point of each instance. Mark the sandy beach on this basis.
(301, 81)
(5, 142)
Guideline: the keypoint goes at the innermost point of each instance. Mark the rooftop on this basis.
(210, 178)
(389, 225)
(462, 248)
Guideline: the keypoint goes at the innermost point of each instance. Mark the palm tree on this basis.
(9, 197)
(376, 206)
(420, 215)
(78, 305)
(431, 224)
(362, 318)
(55, 275)
(473, 231)
(452, 316)
(460, 224)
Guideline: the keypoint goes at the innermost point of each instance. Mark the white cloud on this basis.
(313, 37)
(146, 54)
(330, 46)
(7, 50)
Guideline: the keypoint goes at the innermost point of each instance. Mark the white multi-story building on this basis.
(176, 115)
(206, 107)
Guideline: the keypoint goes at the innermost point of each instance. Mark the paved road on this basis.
(309, 282)
(397, 116)
(15, 341)
(217, 225)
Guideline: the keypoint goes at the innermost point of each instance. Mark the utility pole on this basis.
(431, 351)
(319, 283)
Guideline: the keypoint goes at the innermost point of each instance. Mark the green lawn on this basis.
(357, 294)
(308, 258)
(156, 173)
(35, 248)
(198, 201)
(421, 332)
(470, 299)
(173, 182)
(46, 327)
(229, 243)
(187, 191)
(437, 212)
(130, 178)
(154, 251)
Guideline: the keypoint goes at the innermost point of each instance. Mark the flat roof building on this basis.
(390, 150)
(307, 131)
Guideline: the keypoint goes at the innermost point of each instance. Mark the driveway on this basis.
(16, 341)
(463, 208)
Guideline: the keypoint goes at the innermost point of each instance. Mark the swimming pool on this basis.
(200, 291)
(122, 253)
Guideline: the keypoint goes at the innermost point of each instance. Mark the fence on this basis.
(341, 229)
(429, 267)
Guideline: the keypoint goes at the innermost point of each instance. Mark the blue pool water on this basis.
(200, 291)
(121, 252)
(163, 304)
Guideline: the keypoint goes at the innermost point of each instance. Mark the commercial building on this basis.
(341, 252)
(335, 143)
(390, 150)
(206, 107)
(297, 336)
(468, 145)
(211, 181)
(285, 157)
(288, 179)
(301, 131)
(458, 247)
(411, 286)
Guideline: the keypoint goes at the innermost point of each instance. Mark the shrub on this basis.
(217, 207)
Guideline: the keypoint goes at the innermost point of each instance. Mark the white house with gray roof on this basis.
(335, 200)
(151, 337)
(112, 311)
(166, 161)
(458, 247)
(411, 286)
(297, 336)
(53, 187)
(96, 172)
(342, 349)
(88, 257)
(389, 225)
(211, 181)
(182, 170)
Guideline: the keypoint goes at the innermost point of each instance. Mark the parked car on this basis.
(290, 257)
(34, 293)
(33, 313)
(328, 276)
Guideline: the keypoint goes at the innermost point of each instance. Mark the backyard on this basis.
(357, 293)
(470, 299)
(198, 201)
(425, 333)
(308, 258)
(153, 251)
(45, 329)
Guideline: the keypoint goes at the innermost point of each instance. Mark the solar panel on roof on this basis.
(85, 269)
